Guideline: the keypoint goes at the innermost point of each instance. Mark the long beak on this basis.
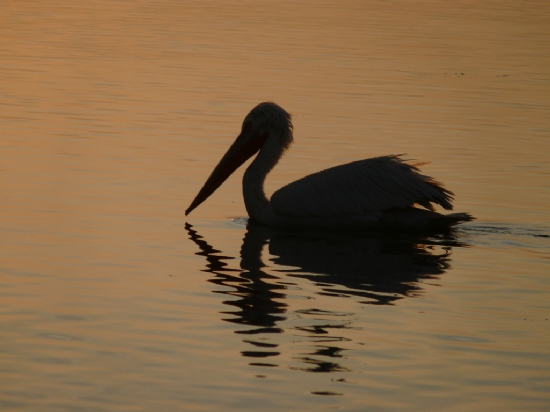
(241, 150)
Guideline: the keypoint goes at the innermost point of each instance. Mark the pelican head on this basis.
(267, 125)
(270, 118)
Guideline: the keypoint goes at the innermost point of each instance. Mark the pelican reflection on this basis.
(370, 268)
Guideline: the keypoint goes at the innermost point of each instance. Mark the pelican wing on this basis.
(361, 187)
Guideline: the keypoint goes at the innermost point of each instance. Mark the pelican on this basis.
(378, 193)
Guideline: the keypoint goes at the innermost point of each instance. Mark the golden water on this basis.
(112, 115)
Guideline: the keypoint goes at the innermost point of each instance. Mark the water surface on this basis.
(113, 115)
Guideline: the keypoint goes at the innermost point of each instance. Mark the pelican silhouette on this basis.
(378, 193)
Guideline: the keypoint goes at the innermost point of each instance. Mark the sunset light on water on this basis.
(114, 114)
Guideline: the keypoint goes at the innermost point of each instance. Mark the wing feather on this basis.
(364, 186)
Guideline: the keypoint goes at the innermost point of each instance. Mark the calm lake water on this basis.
(114, 113)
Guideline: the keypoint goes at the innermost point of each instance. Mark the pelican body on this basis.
(377, 193)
